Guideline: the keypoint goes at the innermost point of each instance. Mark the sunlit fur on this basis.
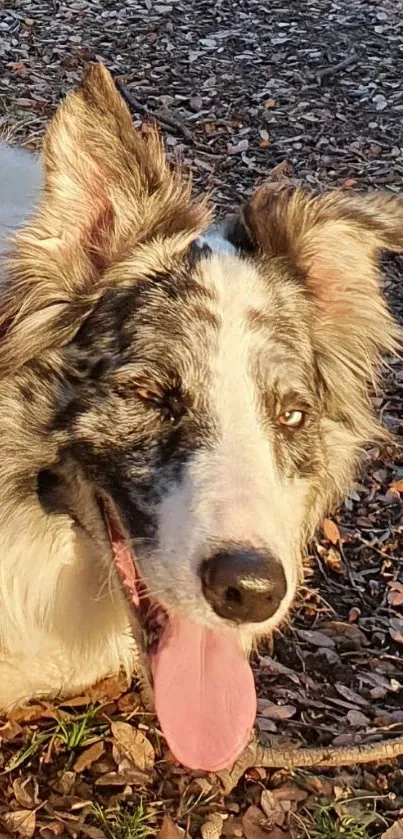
(107, 291)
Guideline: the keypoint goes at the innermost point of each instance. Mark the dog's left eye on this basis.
(292, 419)
(149, 396)
(167, 404)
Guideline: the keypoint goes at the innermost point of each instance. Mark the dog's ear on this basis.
(331, 243)
(105, 181)
(108, 190)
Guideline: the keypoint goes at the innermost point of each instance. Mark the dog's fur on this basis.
(137, 363)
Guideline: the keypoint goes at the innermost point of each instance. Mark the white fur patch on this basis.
(234, 491)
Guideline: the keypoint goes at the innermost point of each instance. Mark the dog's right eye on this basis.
(150, 396)
(292, 419)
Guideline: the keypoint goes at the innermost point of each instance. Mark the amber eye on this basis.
(292, 419)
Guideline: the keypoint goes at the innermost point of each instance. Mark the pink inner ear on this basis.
(325, 280)
(91, 208)
(331, 283)
(97, 238)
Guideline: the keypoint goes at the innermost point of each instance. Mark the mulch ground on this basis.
(243, 91)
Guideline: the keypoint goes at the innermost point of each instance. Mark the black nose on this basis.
(243, 584)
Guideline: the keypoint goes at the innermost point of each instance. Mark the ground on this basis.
(243, 91)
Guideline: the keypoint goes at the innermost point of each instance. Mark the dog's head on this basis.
(214, 403)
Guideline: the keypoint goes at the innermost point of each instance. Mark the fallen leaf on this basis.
(133, 745)
(26, 792)
(133, 777)
(233, 828)
(289, 792)
(254, 823)
(169, 830)
(270, 103)
(89, 756)
(394, 832)
(65, 783)
(91, 831)
(9, 731)
(108, 689)
(398, 485)
(21, 823)
(334, 561)
(52, 828)
(29, 713)
(331, 531)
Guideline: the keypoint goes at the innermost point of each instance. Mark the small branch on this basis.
(334, 68)
(169, 123)
(257, 755)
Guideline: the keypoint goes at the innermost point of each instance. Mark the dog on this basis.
(181, 402)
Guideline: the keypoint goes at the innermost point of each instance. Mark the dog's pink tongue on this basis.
(204, 694)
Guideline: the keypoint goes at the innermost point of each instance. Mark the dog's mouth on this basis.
(204, 689)
(150, 613)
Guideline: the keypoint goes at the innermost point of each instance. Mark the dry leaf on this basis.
(394, 832)
(26, 792)
(133, 745)
(9, 731)
(254, 823)
(289, 792)
(132, 777)
(91, 831)
(89, 756)
(52, 828)
(169, 830)
(398, 485)
(21, 823)
(331, 531)
(270, 103)
(334, 561)
(109, 689)
(275, 808)
(29, 713)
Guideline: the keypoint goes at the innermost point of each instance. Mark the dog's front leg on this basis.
(56, 671)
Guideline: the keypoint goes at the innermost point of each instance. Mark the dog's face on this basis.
(214, 403)
(201, 418)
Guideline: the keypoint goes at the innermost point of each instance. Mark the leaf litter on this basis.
(242, 93)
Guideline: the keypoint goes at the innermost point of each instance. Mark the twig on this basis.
(257, 755)
(366, 543)
(163, 120)
(334, 68)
